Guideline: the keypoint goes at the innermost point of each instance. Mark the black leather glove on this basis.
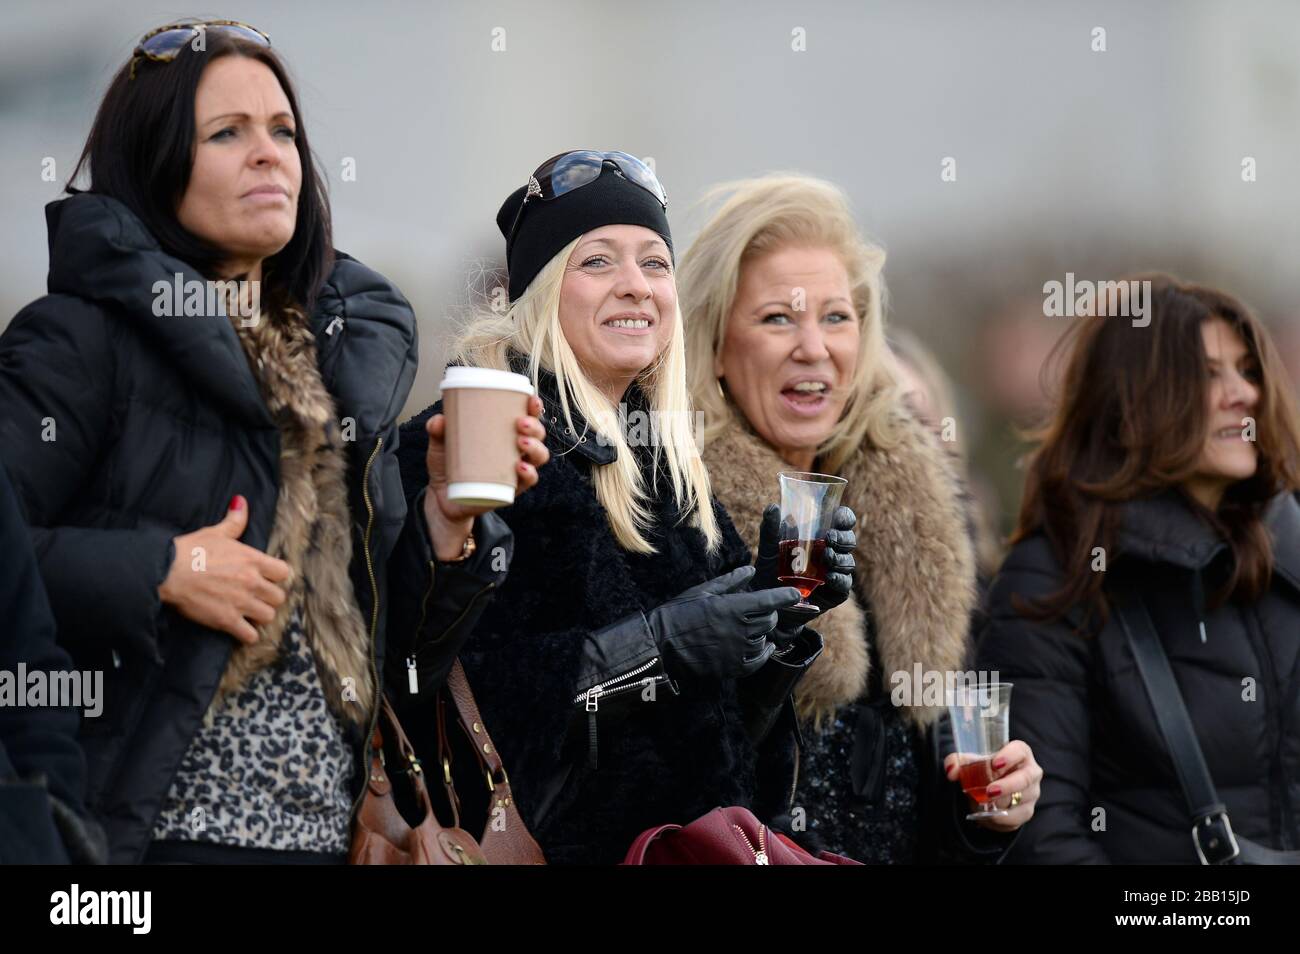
(719, 629)
(840, 542)
(766, 694)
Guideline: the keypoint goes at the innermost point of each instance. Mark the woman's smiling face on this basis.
(618, 303)
(790, 347)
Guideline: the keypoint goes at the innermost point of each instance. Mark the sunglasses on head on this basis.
(573, 170)
(165, 43)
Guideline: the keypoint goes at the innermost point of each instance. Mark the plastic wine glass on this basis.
(981, 724)
(808, 503)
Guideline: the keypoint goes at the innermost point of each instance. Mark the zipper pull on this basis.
(412, 677)
(1202, 624)
(760, 853)
(593, 697)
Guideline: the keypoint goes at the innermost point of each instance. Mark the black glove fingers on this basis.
(840, 562)
(760, 625)
(839, 582)
(769, 532)
(765, 601)
(749, 666)
(726, 583)
(841, 541)
(844, 518)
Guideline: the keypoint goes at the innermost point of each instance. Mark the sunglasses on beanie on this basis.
(572, 170)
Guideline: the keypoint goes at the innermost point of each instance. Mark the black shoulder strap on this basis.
(1212, 832)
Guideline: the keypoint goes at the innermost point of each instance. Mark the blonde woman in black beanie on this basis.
(620, 665)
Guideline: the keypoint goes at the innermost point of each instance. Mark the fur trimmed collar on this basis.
(916, 565)
(312, 529)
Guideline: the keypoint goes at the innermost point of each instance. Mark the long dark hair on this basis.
(140, 151)
(1131, 421)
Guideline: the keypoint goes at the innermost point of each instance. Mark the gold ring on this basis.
(1015, 799)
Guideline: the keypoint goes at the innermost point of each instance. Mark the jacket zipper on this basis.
(374, 618)
(595, 692)
(410, 660)
(592, 698)
(413, 679)
(760, 853)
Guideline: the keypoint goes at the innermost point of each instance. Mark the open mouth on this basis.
(807, 397)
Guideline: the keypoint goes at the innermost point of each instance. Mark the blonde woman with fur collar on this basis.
(631, 672)
(783, 306)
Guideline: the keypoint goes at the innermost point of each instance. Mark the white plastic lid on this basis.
(480, 494)
(458, 376)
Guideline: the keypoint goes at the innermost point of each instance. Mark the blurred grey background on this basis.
(1067, 158)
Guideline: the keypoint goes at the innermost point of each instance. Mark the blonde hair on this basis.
(912, 353)
(532, 326)
(759, 216)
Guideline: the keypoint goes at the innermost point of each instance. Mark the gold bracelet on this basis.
(466, 550)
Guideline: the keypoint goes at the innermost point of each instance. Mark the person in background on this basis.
(928, 391)
(1168, 467)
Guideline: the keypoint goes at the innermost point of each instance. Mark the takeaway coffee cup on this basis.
(481, 405)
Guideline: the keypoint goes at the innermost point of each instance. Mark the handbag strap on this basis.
(412, 767)
(1212, 833)
(512, 843)
(475, 728)
(444, 761)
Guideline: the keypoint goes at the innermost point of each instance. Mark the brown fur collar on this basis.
(916, 566)
(312, 525)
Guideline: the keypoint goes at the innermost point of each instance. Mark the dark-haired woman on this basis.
(1165, 487)
(213, 491)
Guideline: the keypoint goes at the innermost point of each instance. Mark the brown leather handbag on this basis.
(381, 836)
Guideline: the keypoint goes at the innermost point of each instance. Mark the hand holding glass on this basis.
(808, 502)
(981, 725)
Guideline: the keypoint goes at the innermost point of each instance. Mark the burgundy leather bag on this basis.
(725, 836)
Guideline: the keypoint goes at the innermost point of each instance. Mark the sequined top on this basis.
(880, 826)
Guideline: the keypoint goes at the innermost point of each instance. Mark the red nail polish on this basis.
(994, 791)
(998, 763)
(236, 503)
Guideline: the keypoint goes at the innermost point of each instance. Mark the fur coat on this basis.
(916, 566)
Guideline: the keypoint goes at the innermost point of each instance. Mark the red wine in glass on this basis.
(976, 777)
(801, 564)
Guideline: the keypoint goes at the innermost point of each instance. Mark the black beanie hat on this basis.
(548, 226)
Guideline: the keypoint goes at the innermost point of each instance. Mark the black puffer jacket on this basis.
(122, 430)
(42, 771)
(671, 760)
(1110, 794)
